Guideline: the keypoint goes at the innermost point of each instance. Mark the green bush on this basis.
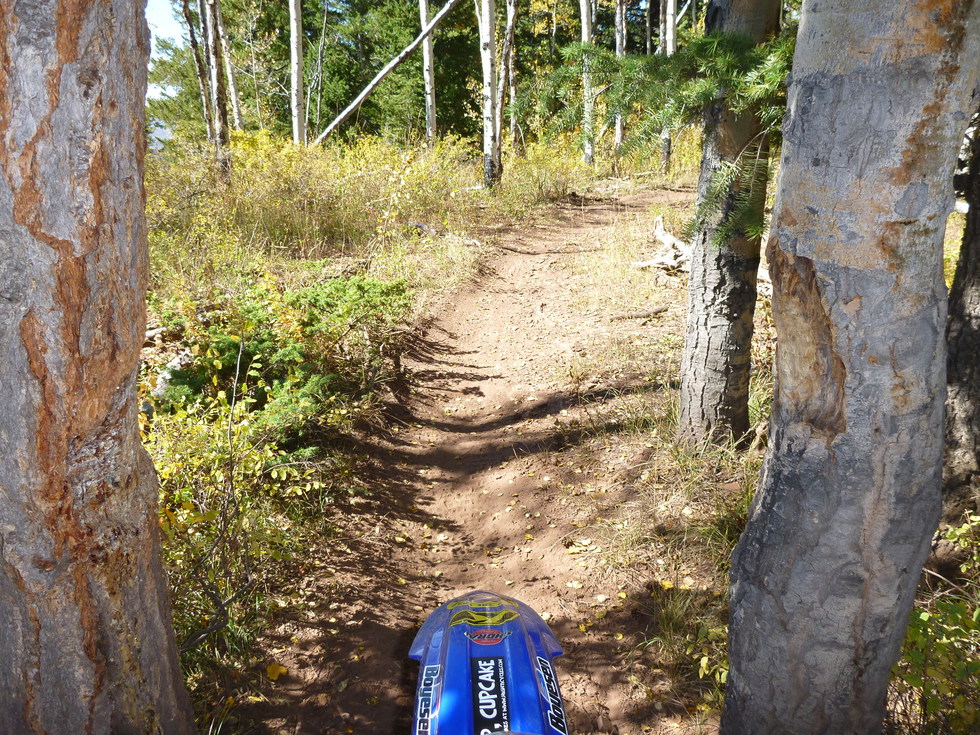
(309, 357)
(936, 683)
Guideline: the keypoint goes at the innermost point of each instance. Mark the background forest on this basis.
(289, 281)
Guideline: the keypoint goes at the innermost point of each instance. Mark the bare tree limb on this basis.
(392, 65)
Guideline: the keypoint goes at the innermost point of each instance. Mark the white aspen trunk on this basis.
(86, 635)
(428, 76)
(649, 20)
(661, 36)
(620, 54)
(297, 101)
(200, 67)
(824, 576)
(516, 134)
(230, 75)
(488, 50)
(506, 66)
(219, 94)
(668, 35)
(588, 95)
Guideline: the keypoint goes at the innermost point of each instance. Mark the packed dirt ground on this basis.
(507, 467)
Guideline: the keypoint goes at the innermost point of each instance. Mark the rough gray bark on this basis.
(714, 395)
(588, 94)
(962, 465)
(428, 76)
(296, 99)
(824, 576)
(86, 637)
(486, 17)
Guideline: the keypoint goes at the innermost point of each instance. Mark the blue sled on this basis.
(485, 667)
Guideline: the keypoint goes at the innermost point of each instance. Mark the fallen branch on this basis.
(674, 255)
(640, 314)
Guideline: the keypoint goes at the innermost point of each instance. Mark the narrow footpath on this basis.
(478, 491)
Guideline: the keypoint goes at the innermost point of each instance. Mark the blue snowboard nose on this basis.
(486, 669)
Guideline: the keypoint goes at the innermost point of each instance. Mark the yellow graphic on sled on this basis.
(474, 617)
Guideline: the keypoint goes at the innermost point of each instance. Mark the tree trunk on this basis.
(824, 576)
(486, 16)
(714, 395)
(506, 65)
(216, 71)
(516, 133)
(87, 641)
(200, 68)
(649, 20)
(297, 106)
(661, 33)
(588, 95)
(668, 37)
(962, 465)
(620, 54)
(230, 77)
(428, 76)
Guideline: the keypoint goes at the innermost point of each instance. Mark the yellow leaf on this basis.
(274, 671)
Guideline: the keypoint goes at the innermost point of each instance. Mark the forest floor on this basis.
(503, 470)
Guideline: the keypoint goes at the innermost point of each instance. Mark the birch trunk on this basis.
(620, 54)
(668, 34)
(230, 77)
(200, 68)
(219, 94)
(428, 76)
(486, 17)
(506, 64)
(516, 134)
(297, 102)
(824, 576)
(714, 395)
(661, 36)
(962, 465)
(588, 95)
(649, 19)
(86, 638)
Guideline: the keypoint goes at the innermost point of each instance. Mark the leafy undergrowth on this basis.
(936, 684)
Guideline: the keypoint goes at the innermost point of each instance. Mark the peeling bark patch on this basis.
(811, 374)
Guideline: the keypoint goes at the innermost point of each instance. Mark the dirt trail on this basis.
(477, 495)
